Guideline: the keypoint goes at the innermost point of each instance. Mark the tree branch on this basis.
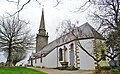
(12, 1)
(20, 8)
(58, 2)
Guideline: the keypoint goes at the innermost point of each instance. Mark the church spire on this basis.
(42, 30)
(42, 37)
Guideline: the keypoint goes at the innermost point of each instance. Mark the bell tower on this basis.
(42, 36)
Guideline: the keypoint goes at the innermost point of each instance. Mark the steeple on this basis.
(42, 30)
(42, 37)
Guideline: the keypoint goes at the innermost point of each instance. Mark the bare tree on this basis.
(67, 27)
(105, 14)
(14, 37)
(18, 56)
(107, 17)
(113, 43)
(21, 4)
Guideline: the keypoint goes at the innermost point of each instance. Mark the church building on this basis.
(65, 51)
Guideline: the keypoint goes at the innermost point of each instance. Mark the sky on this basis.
(53, 15)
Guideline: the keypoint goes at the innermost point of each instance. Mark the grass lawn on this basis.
(19, 70)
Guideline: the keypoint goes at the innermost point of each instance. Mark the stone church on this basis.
(64, 51)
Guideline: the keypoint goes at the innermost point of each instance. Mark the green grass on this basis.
(19, 70)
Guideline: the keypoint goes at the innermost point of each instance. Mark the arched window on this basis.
(35, 60)
(71, 46)
(60, 54)
(103, 55)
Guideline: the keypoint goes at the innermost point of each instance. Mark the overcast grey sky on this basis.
(53, 15)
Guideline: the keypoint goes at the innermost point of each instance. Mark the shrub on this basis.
(118, 68)
(114, 71)
(105, 68)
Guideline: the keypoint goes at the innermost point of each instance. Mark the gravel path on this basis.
(55, 71)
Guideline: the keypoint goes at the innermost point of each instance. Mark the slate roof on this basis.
(89, 32)
(85, 31)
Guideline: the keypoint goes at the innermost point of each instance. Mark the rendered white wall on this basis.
(50, 61)
(86, 62)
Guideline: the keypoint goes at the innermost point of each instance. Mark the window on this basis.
(71, 46)
(103, 55)
(35, 60)
(41, 58)
(60, 54)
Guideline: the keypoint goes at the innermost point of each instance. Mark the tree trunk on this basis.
(8, 63)
(14, 64)
(9, 58)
